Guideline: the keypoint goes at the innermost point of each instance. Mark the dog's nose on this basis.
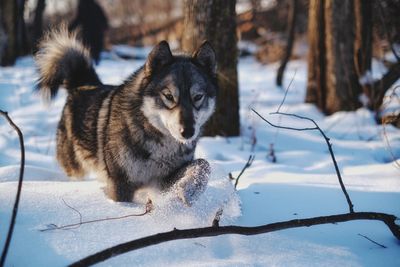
(187, 132)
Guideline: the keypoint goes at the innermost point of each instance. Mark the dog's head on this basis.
(180, 95)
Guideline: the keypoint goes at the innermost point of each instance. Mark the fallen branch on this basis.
(350, 204)
(176, 234)
(21, 177)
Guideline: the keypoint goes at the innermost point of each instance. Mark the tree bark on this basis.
(290, 35)
(22, 40)
(8, 53)
(14, 41)
(363, 45)
(316, 85)
(363, 36)
(215, 21)
(333, 83)
(343, 88)
(38, 22)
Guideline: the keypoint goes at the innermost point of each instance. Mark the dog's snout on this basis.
(187, 132)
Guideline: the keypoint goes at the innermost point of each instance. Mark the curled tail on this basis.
(63, 60)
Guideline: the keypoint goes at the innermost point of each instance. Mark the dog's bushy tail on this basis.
(63, 60)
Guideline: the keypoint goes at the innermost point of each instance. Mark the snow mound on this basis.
(58, 203)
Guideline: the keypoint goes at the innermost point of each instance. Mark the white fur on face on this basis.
(151, 112)
(167, 121)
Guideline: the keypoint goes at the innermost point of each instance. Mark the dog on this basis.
(140, 134)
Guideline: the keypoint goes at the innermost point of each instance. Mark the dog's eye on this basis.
(197, 97)
(169, 97)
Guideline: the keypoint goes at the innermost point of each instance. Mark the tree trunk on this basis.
(380, 87)
(363, 36)
(3, 36)
(13, 30)
(38, 23)
(8, 53)
(215, 21)
(289, 47)
(363, 45)
(316, 85)
(22, 40)
(343, 88)
(333, 83)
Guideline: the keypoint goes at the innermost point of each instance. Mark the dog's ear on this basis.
(205, 55)
(159, 57)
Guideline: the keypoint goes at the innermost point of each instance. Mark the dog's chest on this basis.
(164, 158)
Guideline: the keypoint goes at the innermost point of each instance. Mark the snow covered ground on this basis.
(302, 183)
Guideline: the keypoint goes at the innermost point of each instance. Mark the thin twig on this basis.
(77, 211)
(149, 207)
(20, 180)
(279, 108)
(176, 234)
(326, 140)
(247, 165)
(286, 91)
(369, 239)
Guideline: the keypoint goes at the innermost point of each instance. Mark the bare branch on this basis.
(284, 127)
(248, 164)
(369, 239)
(326, 140)
(20, 180)
(286, 91)
(176, 234)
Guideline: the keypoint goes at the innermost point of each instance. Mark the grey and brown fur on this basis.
(141, 133)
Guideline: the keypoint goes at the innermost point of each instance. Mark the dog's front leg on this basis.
(119, 188)
(191, 181)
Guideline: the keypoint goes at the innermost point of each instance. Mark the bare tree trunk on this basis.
(22, 40)
(363, 36)
(363, 44)
(333, 80)
(316, 85)
(289, 47)
(38, 22)
(13, 30)
(343, 88)
(8, 53)
(3, 36)
(215, 21)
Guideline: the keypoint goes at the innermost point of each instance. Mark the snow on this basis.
(302, 183)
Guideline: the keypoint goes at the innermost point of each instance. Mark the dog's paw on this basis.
(193, 181)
